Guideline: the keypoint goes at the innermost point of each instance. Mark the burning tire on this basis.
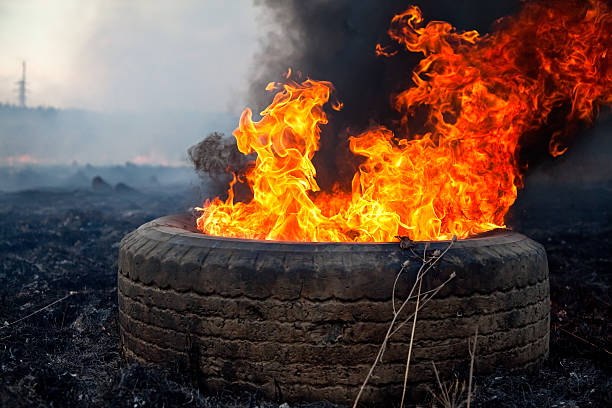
(305, 321)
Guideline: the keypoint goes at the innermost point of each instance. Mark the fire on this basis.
(459, 173)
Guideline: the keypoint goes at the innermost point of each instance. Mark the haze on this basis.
(135, 81)
(137, 55)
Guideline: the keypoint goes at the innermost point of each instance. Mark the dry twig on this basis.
(452, 396)
(416, 310)
(472, 351)
(584, 340)
(39, 310)
(426, 266)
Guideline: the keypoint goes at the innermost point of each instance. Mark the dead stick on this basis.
(39, 310)
(416, 309)
(584, 340)
(420, 275)
(472, 351)
(433, 293)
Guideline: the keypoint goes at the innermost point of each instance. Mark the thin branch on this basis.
(420, 274)
(39, 310)
(472, 351)
(394, 286)
(378, 357)
(427, 292)
(433, 293)
(584, 340)
(444, 399)
(416, 309)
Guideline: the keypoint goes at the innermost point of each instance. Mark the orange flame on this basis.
(459, 176)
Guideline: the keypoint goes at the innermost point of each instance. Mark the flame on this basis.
(459, 174)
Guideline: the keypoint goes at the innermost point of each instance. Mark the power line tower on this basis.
(22, 88)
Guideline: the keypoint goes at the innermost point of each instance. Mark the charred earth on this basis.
(54, 243)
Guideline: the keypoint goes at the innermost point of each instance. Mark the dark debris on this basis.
(55, 242)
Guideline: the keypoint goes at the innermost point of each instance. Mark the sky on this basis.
(129, 56)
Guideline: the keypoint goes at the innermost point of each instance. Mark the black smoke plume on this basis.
(334, 40)
(217, 158)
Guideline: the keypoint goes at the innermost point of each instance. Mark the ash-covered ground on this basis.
(61, 245)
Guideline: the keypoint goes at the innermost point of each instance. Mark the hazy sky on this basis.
(113, 55)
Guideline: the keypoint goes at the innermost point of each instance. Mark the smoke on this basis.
(53, 136)
(335, 41)
(215, 158)
(135, 81)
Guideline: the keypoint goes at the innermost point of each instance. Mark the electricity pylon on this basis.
(22, 88)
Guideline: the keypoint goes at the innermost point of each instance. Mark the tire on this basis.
(304, 321)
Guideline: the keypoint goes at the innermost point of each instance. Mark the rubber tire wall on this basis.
(305, 321)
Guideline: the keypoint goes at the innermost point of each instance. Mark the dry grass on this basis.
(428, 261)
(454, 395)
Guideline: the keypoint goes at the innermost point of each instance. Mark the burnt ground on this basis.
(62, 246)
